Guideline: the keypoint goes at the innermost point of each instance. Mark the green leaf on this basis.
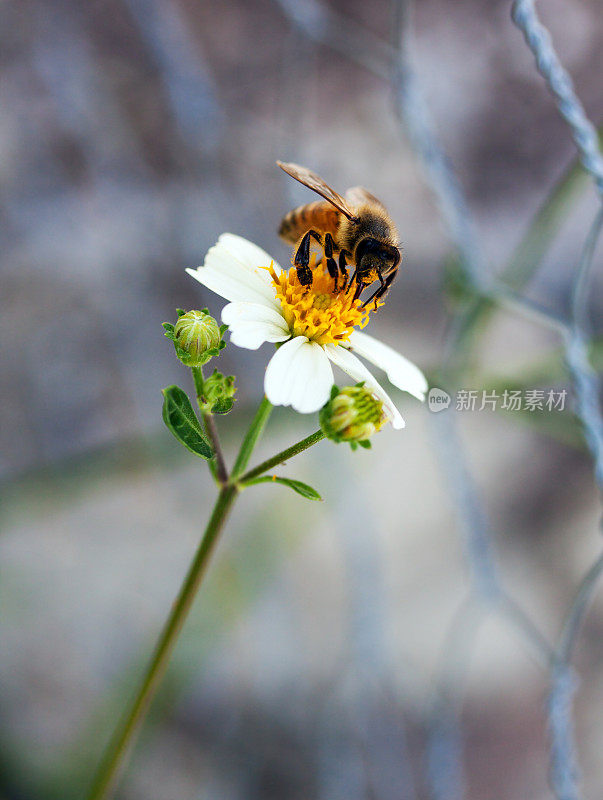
(181, 420)
(298, 486)
(222, 406)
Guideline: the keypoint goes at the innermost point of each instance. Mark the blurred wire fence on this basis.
(445, 756)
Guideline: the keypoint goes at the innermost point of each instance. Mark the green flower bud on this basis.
(218, 393)
(197, 337)
(352, 415)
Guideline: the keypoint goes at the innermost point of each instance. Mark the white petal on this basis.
(400, 371)
(299, 375)
(233, 269)
(252, 324)
(246, 251)
(354, 367)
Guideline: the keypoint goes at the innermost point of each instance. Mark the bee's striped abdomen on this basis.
(320, 215)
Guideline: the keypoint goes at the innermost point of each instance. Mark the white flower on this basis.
(315, 325)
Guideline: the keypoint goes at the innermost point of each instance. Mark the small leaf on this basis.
(298, 486)
(365, 443)
(222, 406)
(181, 312)
(181, 420)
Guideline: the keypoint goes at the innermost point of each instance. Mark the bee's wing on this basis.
(358, 195)
(314, 182)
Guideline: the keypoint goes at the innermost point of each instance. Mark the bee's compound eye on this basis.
(367, 247)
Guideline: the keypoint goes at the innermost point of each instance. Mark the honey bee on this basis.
(356, 229)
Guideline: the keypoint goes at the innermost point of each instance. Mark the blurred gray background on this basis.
(133, 133)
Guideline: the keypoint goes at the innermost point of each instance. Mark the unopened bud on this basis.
(218, 393)
(352, 415)
(197, 338)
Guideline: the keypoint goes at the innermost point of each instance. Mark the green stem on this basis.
(199, 380)
(221, 471)
(125, 733)
(251, 438)
(284, 455)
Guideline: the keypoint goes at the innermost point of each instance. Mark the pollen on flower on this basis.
(317, 311)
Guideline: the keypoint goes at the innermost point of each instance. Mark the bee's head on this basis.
(371, 254)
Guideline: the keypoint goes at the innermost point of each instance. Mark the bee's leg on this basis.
(343, 267)
(302, 258)
(382, 289)
(331, 265)
(388, 282)
(352, 279)
(360, 286)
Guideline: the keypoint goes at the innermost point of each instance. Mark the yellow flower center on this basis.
(317, 311)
